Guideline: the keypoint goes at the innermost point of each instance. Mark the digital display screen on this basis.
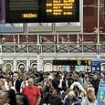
(26, 11)
(61, 10)
(22, 10)
(79, 68)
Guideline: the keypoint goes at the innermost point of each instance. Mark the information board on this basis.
(96, 65)
(66, 68)
(61, 10)
(24, 11)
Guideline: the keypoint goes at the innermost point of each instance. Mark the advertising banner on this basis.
(101, 94)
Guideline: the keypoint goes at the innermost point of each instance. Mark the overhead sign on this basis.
(72, 62)
(67, 68)
(24, 11)
(79, 68)
(96, 64)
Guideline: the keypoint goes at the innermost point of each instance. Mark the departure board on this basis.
(62, 10)
(22, 11)
(26, 11)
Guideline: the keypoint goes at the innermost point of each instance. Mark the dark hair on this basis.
(76, 87)
(76, 90)
(12, 97)
(16, 72)
(24, 99)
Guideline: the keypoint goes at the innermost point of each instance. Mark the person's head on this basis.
(30, 82)
(71, 94)
(56, 92)
(95, 77)
(15, 76)
(21, 99)
(91, 94)
(10, 83)
(67, 76)
(4, 97)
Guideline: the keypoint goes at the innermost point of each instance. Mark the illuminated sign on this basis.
(22, 11)
(61, 10)
(29, 15)
(18, 11)
(78, 62)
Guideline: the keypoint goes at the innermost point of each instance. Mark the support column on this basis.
(15, 66)
(28, 64)
(39, 63)
(98, 23)
(98, 28)
(81, 22)
(25, 28)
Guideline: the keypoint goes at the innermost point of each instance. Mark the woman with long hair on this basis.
(90, 98)
(71, 99)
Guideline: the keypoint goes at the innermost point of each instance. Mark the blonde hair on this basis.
(91, 96)
(71, 93)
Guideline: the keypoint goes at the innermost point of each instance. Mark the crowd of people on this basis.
(49, 88)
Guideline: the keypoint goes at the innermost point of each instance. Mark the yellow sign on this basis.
(78, 62)
(60, 7)
(29, 15)
(89, 62)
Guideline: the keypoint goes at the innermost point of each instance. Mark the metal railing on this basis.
(52, 48)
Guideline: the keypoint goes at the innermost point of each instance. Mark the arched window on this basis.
(21, 67)
(34, 67)
(8, 66)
